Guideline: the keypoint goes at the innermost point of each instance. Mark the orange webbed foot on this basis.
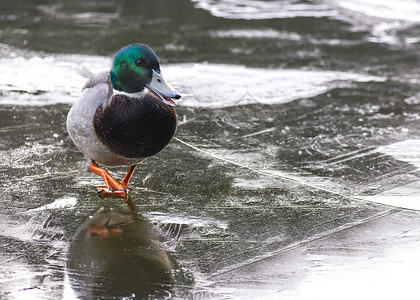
(104, 191)
(112, 187)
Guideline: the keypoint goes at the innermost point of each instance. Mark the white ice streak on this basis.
(267, 33)
(407, 151)
(254, 9)
(42, 79)
(61, 203)
(403, 10)
(217, 85)
(39, 79)
(407, 195)
(381, 17)
(191, 221)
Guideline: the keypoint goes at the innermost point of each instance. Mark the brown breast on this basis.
(135, 128)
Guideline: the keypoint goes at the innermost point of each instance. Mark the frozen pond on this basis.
(294, 174)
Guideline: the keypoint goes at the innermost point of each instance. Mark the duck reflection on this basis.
(117, 253)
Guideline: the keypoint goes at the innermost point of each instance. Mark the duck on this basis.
(123, 116)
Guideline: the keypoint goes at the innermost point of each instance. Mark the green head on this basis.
(135, 67)
(132, 68)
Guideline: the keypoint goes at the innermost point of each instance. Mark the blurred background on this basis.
(294, 175)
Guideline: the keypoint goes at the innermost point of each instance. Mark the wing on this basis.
(97, 79)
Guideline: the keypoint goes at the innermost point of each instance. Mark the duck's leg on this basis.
(127, 177)
(112, 187)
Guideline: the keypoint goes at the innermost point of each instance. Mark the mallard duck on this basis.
(123, 116)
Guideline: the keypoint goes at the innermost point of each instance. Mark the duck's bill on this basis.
(161, 88)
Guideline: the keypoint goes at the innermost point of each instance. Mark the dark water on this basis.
(301, 120)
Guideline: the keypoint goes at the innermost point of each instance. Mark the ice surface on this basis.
(303, 176)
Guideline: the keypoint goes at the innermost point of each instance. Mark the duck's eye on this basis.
(139, 62)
